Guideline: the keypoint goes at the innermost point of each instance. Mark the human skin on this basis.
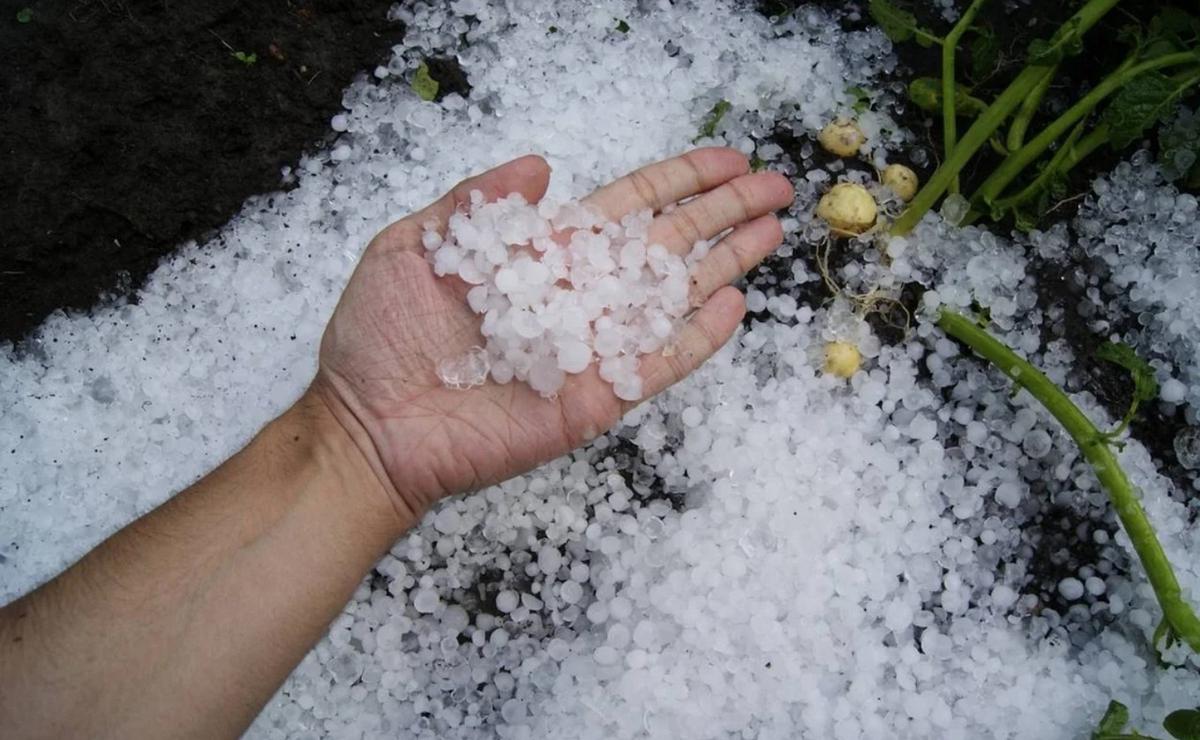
(184, 623)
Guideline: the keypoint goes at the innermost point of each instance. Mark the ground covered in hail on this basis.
(764, 551)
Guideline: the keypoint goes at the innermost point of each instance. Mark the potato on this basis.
(848, 208)
(901, 180)
(842, 137)
(842, 359)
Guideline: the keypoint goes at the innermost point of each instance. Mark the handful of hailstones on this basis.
(559, 288)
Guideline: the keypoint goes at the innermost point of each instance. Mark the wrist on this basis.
(336, 447)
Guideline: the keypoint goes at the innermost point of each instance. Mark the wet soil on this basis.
(133, 125)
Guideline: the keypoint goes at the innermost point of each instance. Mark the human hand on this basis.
(397, 320)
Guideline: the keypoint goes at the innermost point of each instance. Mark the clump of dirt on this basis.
(131, 125)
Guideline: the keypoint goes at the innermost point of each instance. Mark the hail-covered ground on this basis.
(765, 551)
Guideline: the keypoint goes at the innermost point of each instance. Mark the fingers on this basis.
(528, 175)
(707, 331)
(734, 256)
(663, 183)
(735, 202)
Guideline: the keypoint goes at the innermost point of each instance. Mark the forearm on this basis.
(185, 622)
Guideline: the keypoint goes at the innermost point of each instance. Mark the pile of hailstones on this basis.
(558, 286)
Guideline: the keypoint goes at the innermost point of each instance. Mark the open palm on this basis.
(397, 320)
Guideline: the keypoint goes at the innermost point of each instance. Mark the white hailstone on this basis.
(1172, 391)
(1008, 493)
(558, 649)
(465, 371)
(1187, 447)
(1003, 597)
(605, 655)
(1037, 443)
(347, 667)
(620, 607)
(644, 634)
(551, 309)
(597, 612)
(549, 559)
(898, 616)
(1071, 588)
(571, 592)
(426, 600)
(506, 601)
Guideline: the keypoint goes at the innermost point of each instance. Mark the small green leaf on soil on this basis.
(24, 15)
(245, 58)
(862, 99)
(1179, 151)
(423, 85)
(985, 53)
(1143, 103)
(897, 24)
(926, 94)
(1183, 724)
(709, 127)
(1114, 720)
(1145, 386)
(1171, 30)
(622, 26)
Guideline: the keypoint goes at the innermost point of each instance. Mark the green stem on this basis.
(1176, 611)
(978, 135)
(930, 38)
(1029, 106)
(987, 123)
(1071, 154)
(1022, 158)
(949, 47)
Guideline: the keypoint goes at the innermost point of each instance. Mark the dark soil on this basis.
(130, 126)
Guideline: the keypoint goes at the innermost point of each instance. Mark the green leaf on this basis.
(926, 94)
(1169, 31)
(1145, 386)
(245, 58)
(1143, 103)
(1068, 41)
(985, 53)
(622, 26)
(1183, 724)
(709, 127)
(24, 15)
(423, 84)
(862, 99)
(1179, 151)
(1113, 722)
(899, 25)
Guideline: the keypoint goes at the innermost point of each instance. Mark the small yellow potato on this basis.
(842, 137)
(901, 180)
(842, 359)
(848, 208)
